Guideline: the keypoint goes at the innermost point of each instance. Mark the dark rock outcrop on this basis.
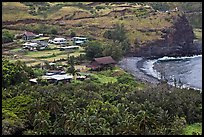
(177, 41)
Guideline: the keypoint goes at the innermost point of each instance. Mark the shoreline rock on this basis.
(177, 41)
(134, 65)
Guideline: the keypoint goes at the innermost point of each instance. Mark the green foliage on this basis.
(102, 79)
(14, 73)
(16, 105)
(120, 45)
(14, 113)
(38, 72)
(53, 31)
(71, 69)
(118, 34)
(72, 34)
(7, 36)
(193, 129)
(114, 50)
(126, 79)
(93, 49)
(103, 108)
(107, 34)
(42, 81)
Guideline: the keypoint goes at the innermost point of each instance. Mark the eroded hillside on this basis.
(92, 19)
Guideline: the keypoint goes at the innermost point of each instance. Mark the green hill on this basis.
(89, 19)
(144, 21)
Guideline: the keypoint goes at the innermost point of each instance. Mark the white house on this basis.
(79, 40)
(58, 41)
(69, 48)
(30, 46)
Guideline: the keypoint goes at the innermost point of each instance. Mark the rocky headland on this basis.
(177, 40)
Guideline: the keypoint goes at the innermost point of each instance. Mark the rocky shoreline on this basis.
(134, 66)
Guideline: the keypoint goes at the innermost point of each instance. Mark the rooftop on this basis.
(30, 44)
(79, 38)
(58, 77)
(27, 33)
(105, 60)
(59, 39)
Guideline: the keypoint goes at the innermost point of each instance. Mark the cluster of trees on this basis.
(92, 108)
(119, 37)
(93, 49)
(117, 46)
(7, 36)
(14, 73)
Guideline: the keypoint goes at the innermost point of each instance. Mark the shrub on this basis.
(53, 31)
(72, 34)
(7, 37)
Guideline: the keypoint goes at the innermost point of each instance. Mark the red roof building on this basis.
(28, 35)
(102, 62)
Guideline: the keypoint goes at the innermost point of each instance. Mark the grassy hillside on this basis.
(92, 19)
(12, 11)
(193, 10)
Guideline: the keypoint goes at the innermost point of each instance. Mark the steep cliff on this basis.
(176, 41)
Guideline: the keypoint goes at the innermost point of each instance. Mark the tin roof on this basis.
(27, 33)
(58, 77)
(105, 60)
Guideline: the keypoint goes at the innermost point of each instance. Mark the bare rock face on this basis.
(177, 41)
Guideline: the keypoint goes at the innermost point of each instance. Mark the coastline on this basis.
(134, 65)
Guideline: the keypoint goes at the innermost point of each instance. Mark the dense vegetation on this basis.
(7, 36)
(14, 73)
(110, 102)
(94, 107)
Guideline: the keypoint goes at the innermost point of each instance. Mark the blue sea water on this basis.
(187, 70)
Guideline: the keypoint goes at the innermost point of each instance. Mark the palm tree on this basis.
(41, 122)
(53, 106)
(145, 122)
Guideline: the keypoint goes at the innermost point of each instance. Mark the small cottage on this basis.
(28, 35)
(58, 41)
(79, 40)
(103, 62)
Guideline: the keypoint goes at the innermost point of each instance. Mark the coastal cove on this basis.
(101, 68)
(186, 70)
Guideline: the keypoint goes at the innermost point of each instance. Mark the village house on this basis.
(56, 77)
(58, 41)
(41, 44)
(30, 46)
(28, 35)
(79, 40)
(35, 45)
(103, 62)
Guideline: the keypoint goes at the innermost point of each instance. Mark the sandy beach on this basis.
(134, 66)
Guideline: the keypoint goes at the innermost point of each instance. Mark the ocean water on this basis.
(184, 70)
